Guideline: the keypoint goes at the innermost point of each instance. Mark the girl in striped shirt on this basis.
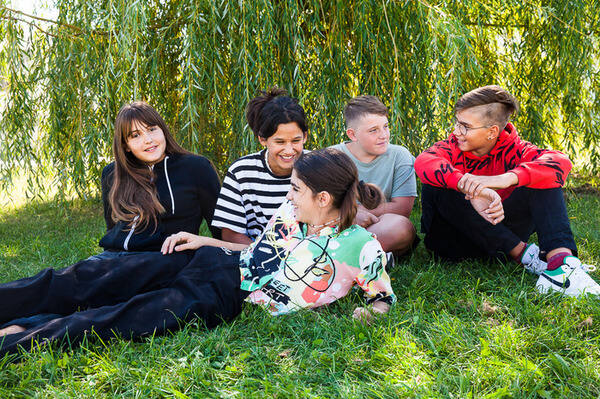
(256, 184)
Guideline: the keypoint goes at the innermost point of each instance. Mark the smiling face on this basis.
(370, 135)
(146, 143)
(284, 147)
(304, 200)
(479, 138)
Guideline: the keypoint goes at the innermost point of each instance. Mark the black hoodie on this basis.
(187, 187)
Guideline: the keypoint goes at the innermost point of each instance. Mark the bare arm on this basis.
(234, 237)
(184, 240)
(398, 205)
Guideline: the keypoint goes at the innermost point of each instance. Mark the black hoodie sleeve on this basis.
(106, 182)
(210, 186)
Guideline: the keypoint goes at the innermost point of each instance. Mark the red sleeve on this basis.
(539, 168)
(435, 166)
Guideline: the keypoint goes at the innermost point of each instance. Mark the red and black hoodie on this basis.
(443, 164)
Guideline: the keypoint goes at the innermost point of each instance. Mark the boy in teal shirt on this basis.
(389, 166)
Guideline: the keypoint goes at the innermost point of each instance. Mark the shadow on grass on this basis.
(48, 234)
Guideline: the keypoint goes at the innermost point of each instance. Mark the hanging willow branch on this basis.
(200, 61)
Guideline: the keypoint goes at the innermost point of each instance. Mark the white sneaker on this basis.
(569, 279)
(531, 260)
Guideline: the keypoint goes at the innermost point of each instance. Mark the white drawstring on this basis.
(169, 185)
(126, 242)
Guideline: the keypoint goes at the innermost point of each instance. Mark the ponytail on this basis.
(348, 207)
(369, 195)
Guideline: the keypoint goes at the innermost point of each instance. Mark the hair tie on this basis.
(350, 186)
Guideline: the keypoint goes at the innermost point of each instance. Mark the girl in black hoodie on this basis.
(154, 188)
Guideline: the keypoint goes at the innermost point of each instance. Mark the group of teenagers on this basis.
(294, 229)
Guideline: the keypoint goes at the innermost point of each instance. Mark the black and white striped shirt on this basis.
(250, 195)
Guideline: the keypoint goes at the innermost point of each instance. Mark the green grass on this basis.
(458, 330)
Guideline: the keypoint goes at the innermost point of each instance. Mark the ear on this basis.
(304, 138)
(324, 199)
(494, 132)
(262, 141)
(351, 134)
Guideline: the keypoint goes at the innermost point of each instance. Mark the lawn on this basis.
(458, 330)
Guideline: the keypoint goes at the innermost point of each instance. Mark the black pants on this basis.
(454, 230)
(132, 296)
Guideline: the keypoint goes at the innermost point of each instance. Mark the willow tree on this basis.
(199, 62)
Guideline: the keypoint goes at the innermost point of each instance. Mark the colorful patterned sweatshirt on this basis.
(287, 270)
(443, 164)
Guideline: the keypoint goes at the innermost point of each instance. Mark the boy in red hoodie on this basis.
(485, 191)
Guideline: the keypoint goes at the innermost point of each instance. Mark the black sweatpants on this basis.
(454, 230)
(131, 296)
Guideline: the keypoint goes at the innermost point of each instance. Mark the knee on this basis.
(539, 193)
(403, 228)
(393, 231)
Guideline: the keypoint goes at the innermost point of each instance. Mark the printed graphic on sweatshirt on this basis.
(287, 270)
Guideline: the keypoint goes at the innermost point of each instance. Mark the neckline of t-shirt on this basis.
(263, 158)
(358, 161)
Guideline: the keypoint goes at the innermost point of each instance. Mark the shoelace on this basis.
(588, 268)
(582, 266)
(536, 265)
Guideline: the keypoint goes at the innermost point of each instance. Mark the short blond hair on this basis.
(360, 106)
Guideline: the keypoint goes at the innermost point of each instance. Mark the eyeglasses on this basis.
(464, 130)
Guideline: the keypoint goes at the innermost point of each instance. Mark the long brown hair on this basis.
(333, 171)
(133, 192)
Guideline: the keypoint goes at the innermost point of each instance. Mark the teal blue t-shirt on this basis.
(393, 172)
